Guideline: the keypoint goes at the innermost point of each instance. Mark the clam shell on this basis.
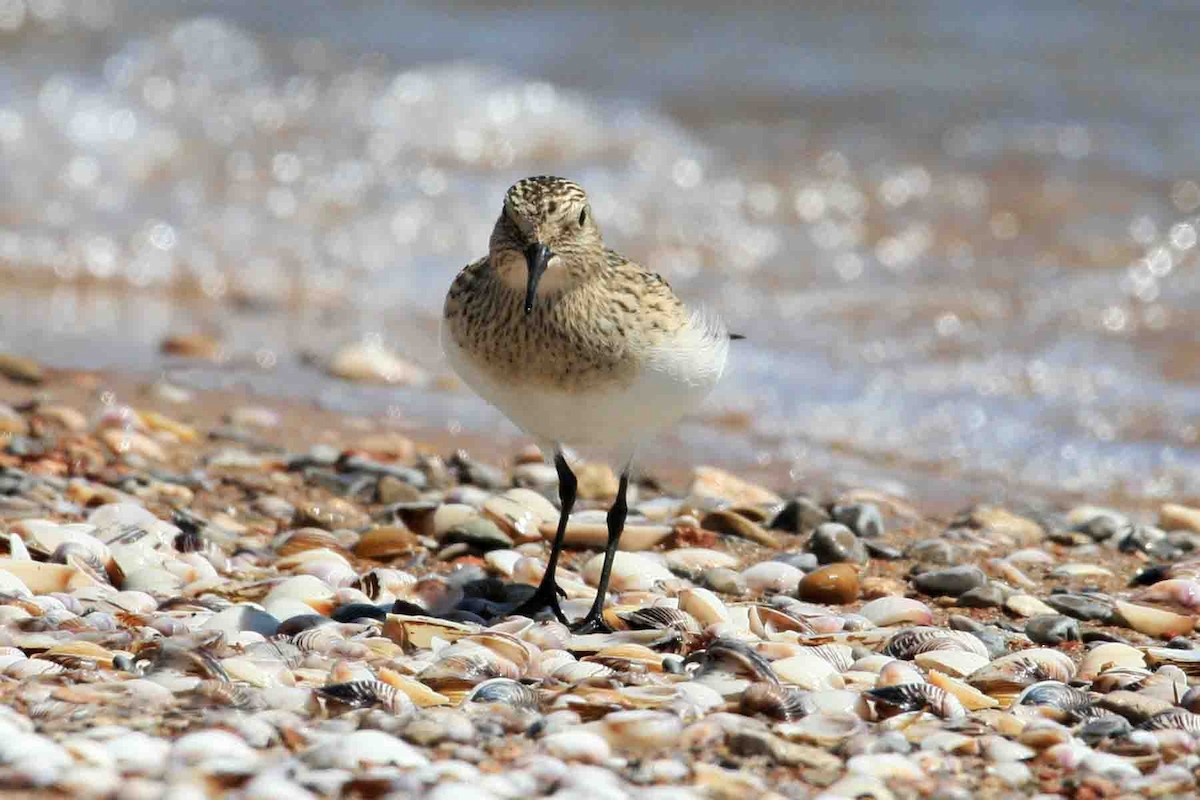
(505, 691)
(419, 632)
(908, 643)
(367, 694)
(773, 701)
(885, 611)
(918, 697)
(1109, 655)
(1009, 674)
(703, 605)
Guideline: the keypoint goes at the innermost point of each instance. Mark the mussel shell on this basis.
(918, 697)
(507, 692)
(367, 694)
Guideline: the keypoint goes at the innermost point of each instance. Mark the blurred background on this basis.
(961, 237)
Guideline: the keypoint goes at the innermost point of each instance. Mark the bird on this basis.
(581, 348)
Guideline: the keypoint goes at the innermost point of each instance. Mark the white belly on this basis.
(673, 381)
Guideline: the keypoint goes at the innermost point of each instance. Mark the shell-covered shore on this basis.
(195, 605)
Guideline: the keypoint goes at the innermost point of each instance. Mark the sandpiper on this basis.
(578, 346)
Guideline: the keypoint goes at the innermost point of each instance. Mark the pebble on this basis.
(1051, 629)
(951, 581)
(1081, 606)
(834, 543)
(836, 584)
(864, 519)
(772, 577)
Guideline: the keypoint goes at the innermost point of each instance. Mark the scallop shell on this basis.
(506, 692)
(772, 700)
(909, 642)
(1009, 674)
(367, 694)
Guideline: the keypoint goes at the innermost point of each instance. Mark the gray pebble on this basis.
(834, 543)
(951, 581)
(1103, 526)
(933, 551)
(1080, 606)
(862, 518)
(1097, 730)
(1051, 629)
(799, 515)
(801, 561)
(989, 595)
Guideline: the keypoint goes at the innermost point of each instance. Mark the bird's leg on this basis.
(594, 621)
(547, 592)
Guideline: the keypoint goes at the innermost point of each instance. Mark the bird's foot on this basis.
(591, 624)
(546, 597)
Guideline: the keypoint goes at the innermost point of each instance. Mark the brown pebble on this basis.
(191, 345)
(878, 586)
(835, 584)
(21, 370)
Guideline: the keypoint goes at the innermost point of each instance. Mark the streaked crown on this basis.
(543, 196)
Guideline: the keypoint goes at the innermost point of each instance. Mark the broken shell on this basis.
(971, 698)
(808, 671)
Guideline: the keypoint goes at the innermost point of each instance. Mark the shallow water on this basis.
(960, 238)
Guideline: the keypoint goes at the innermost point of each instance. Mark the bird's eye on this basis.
(582, 217)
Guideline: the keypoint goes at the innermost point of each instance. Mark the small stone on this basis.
(391, 489)
(990, 595)
(725, 581)
(1081, 606)
(370, 362)
(731, 523)
(951, 581)
(1171, 516)
(191, 345)
(1052, 629)
(1026, 605)
(862, 518)
(836, 584)
(834, 543)
(772, 577)
(480, 533)
(711, 483)
(331, 514)
(799, 515)
(596, 481)
(805, 562)
(1102, 525)
(20, 370)
(933, 551)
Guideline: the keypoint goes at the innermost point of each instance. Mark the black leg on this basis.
(594, 621)
(547, 592)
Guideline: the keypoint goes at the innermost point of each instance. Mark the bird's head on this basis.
(545, 240)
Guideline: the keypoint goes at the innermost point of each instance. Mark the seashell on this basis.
(839, 656)
(576, 745)
(466, 669)
(1026, 605)
(1008, 674)
(306, 589)
(692, 561)
(420, 694)
(909, 642)
(1153, 621)
(955, 663)
(662, 617)
(32, 667)
(772, 577)
(364, 750)
(72, 654)
(918, 697)
(808, 671)
(730, 523)
(589, 530)
(1134, 706)
(896, 673)
(1182, 592)
(1067, 702)
(822, 729)
(885, 611)
(418, 631)
(577, 671)
(630, 572)
(41, 578)
(971, 698)
(506, 692)
(502, 561)
(1186, 660)
(703, 605)
(1109, 655)
(640, 731)
(773, 701)
(766, 621)
(729, 655)
(1119, 678)
(505, 645)
(627, 656)
(386, 542)
(320, 639)
(520, 513)
(1175, 719)
(304, 539)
